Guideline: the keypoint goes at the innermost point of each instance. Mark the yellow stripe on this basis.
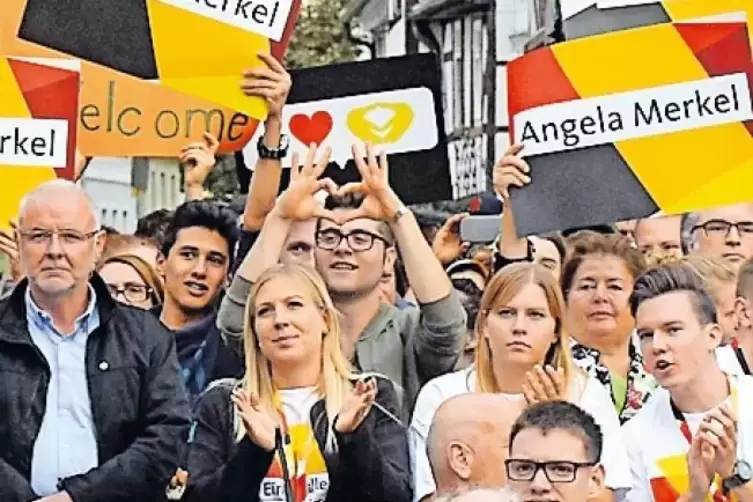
(668, 166)
(205, 58)
(16, 180)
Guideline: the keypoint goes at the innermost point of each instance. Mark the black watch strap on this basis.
(271, 153)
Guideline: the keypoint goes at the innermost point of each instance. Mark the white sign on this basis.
(396, 121)
(610, 4)
(636, 114)
(265, 17)
(33, 142)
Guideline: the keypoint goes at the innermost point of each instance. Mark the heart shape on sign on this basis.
(314, 129)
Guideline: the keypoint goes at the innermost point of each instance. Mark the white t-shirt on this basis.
(657, 449)
(727, 360)
(311, 469)
(593, 398)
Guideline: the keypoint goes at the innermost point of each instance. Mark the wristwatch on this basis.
(402, 211)
(273, 154)
(742, 474)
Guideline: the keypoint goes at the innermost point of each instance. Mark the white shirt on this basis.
(657, 449)
(593, 398)
(727, 360)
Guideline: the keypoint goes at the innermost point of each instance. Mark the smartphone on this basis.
(480, 229)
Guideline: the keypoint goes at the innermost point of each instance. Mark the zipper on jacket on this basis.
(280, 447)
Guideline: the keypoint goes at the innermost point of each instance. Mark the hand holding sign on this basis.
(197, 161)
(511, 170)
(298, 202)
(272, 84)
(381, 202)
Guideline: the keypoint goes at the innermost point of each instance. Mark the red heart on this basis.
(314, 129)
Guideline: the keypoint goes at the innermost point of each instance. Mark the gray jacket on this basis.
(409, 346)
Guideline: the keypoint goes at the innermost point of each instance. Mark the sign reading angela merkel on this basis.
(634, 122)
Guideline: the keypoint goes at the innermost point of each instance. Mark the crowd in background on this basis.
(326, 342)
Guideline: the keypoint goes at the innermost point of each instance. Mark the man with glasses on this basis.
(725, 232)
(356, 242)
(554, 454)
(91, 403)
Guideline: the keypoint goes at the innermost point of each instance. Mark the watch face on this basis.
(284, 142)
(744, 470)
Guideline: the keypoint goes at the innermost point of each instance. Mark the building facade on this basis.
(473, 40)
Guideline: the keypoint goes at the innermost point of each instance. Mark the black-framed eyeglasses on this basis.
(358, 240)
(67, 236)
(722, 228)
(132, 292)
(555, 472)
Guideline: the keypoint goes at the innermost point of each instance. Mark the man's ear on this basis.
(743, 313)
(714, 336)
(596, 483)
(390, 256)
(460, 459)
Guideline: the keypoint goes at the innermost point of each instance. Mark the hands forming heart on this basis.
(380, 201)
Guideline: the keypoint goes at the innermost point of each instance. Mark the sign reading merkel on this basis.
(632, 123)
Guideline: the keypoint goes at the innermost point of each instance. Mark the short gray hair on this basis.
(687, 224)
(489, 495)
(59, 184)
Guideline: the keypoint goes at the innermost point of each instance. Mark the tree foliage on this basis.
(319, 37)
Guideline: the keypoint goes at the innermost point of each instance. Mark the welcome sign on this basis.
(124, 112)
(38, 116)
(629, 121)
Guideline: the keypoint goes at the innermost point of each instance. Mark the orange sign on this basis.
(121, 115)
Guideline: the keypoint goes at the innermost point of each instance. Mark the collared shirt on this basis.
(66, 444)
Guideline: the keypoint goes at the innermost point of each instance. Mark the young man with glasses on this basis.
(724, 232)
(554, 454)
(693, 440)
(357, 233)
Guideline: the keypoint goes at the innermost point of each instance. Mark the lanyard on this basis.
(717, 493)
(741, 359)
(289, 456)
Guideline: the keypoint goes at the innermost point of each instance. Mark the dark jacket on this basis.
(203, 356)
(139, 407)
(371, 465)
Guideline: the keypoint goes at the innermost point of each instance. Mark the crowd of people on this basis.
(330, 344)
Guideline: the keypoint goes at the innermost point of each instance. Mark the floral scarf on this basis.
(640, 384)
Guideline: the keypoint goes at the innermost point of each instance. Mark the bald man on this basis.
(481, 495)
(93, 405)
(468, 443)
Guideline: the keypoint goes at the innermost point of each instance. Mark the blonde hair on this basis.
(501, 289)
(713, 272)
(336, 375)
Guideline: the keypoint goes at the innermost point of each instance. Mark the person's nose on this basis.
(282, 318)
(200, 268)
(520, 325)
(733, 237)
(540, 484)
(55, 247)
(343, 248)
(659, 343)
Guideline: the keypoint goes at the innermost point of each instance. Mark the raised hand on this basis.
(447, 245)
(380, 202)
(719, 429)
(356, 406)
(197, 160)
(9, 247)
(298, 201)
(261, 429)
(272, 83)
(545, 384)
(511, 170)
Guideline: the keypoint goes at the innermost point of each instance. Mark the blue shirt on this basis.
(66, 444)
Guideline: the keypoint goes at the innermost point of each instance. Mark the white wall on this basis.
(107, 181)
(163, 191)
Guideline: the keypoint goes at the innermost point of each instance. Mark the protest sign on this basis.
(122, 115)
(38, 117)
(628, 122)
(393, 103)
(198, 53)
